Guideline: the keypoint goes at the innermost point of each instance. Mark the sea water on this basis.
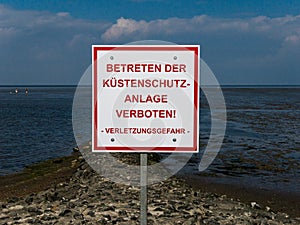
(261, 145)
(34, 127)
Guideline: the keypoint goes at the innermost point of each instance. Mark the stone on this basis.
(16, 207)
(34, 210)
(88, 198)
(254, 205)
(66, 212)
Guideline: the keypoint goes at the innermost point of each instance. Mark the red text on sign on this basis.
(145, 68)
(146, 99)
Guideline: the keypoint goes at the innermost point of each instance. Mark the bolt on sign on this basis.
(145, 98)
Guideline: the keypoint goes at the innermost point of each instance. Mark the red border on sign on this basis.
(196, 99)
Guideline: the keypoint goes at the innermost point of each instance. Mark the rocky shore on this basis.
(88, 198)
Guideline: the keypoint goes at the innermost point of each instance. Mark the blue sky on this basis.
(244, 42)
(160, 9)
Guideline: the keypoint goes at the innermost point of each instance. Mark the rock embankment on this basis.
(88, 198)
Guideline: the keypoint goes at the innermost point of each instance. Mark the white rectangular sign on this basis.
(146, 98)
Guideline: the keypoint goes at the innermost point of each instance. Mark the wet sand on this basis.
(38, 177)
(278, 201)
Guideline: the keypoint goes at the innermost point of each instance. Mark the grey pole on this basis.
(143, 182)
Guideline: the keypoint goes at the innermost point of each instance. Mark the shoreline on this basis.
(279, 201)
(38, 177)
(55, 174)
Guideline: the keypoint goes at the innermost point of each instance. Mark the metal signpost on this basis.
(145, 99)
(143, 197)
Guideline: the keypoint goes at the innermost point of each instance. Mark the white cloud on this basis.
(293, 39)
(62, 24)
(45, 47)
(126, 29)
(235, 47)
(63, 14)
(56, 43)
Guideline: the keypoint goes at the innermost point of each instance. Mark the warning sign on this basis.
(146, 98)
